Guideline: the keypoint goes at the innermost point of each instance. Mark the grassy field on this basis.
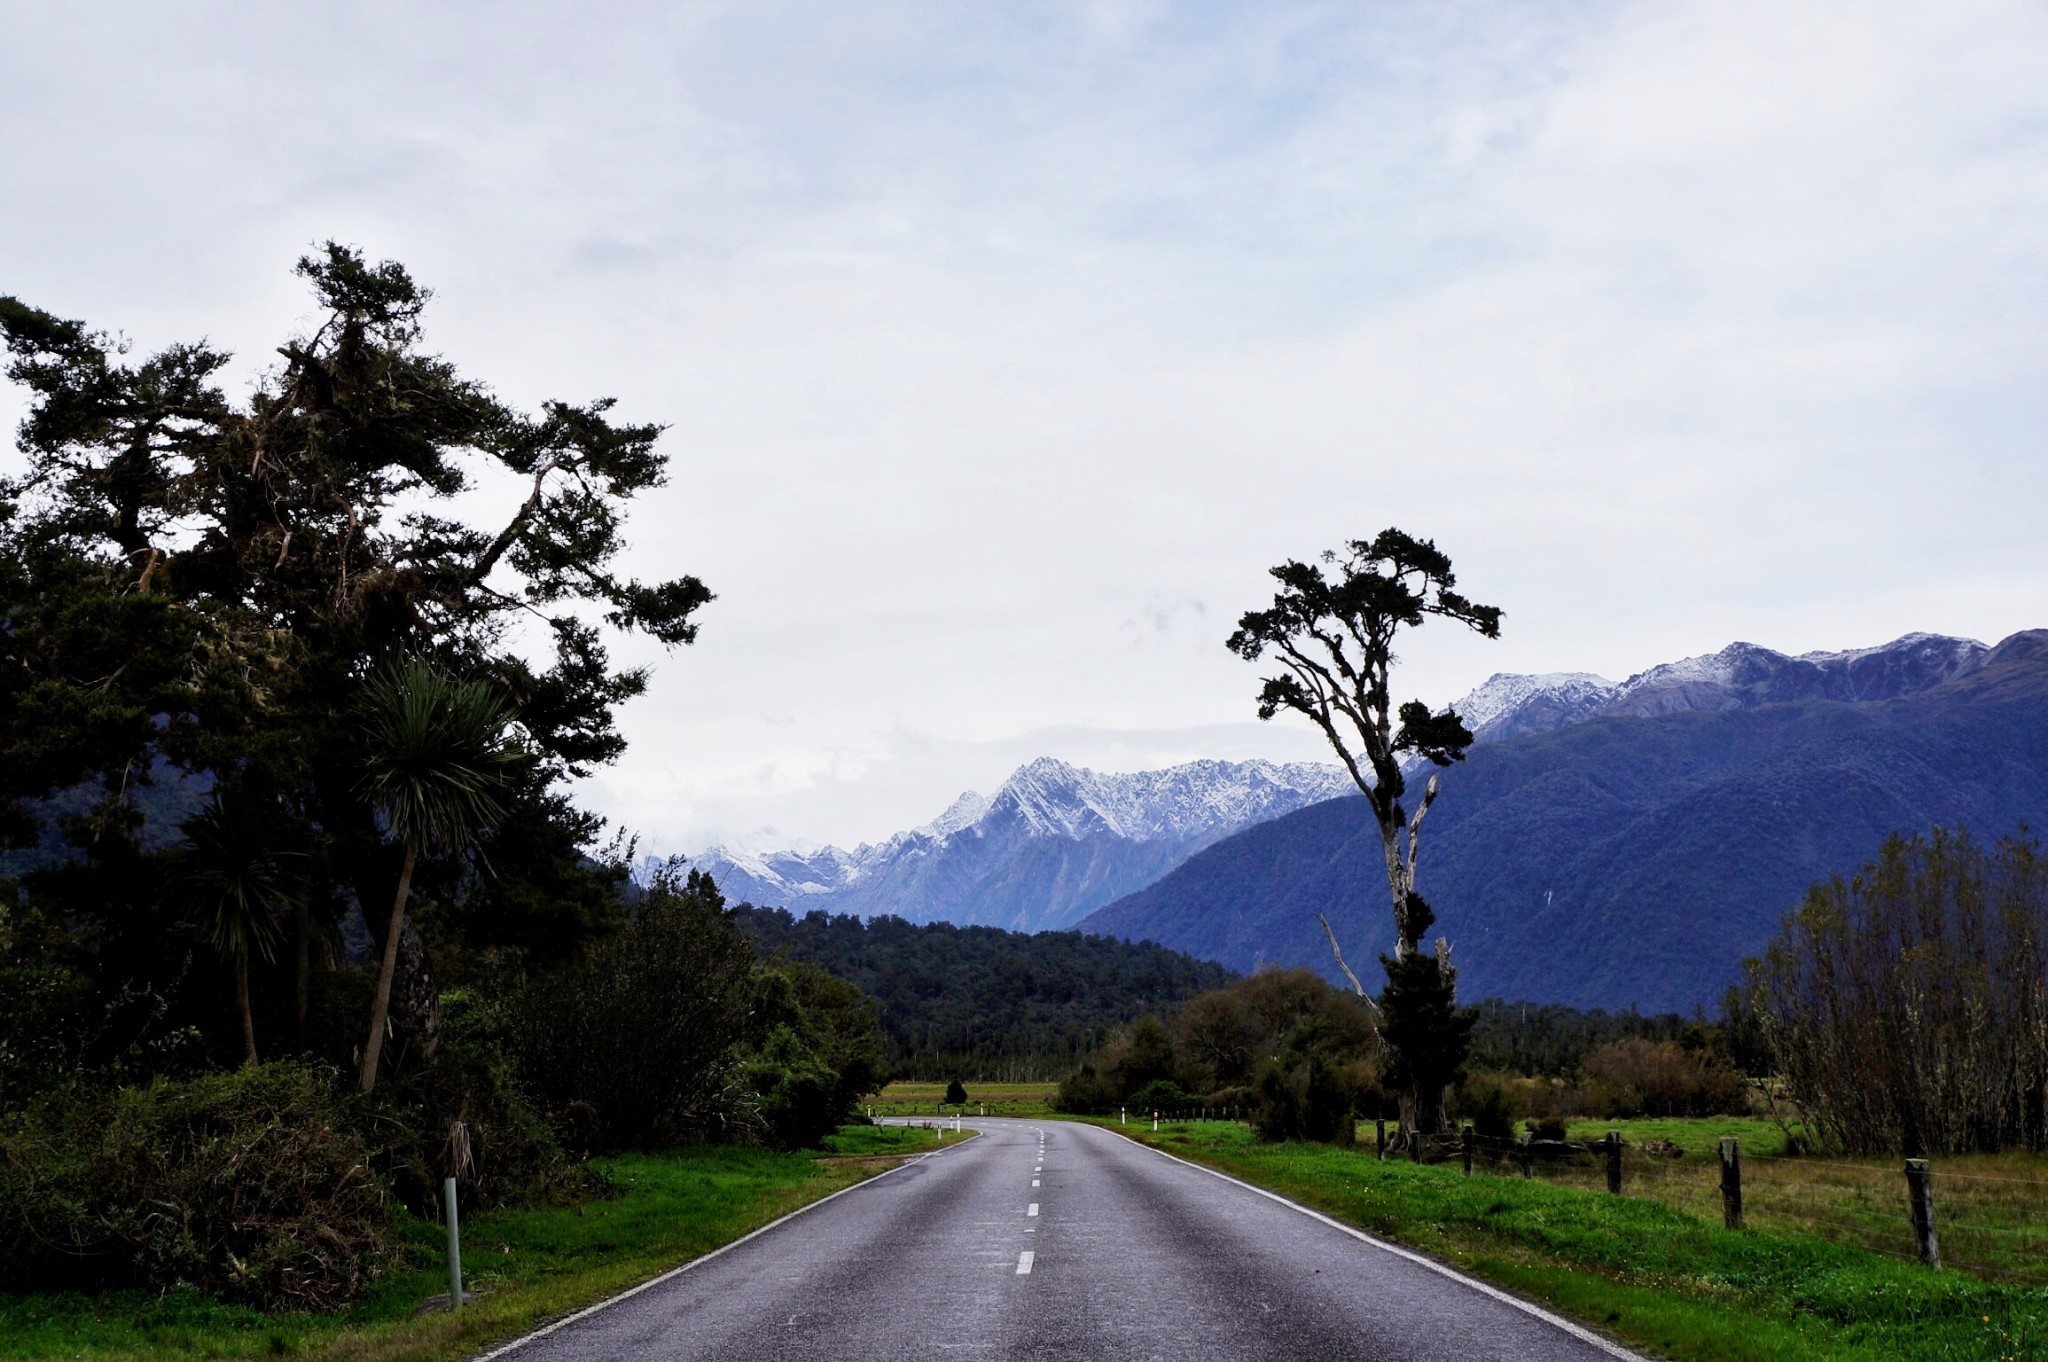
(525, 1265)
(1001, 1099)
(1654, 1274)
(1991, 1210)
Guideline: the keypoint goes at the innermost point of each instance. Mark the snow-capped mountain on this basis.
(1053, 844)
(1740, 676)
(1058, 841)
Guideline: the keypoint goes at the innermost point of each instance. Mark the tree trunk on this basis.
(242, 1001)
(380, 1006)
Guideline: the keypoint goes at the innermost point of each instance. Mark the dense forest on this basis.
(980, 1002)
(266, 698)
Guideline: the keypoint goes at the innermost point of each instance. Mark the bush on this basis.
(795, 1093)
(248, 1185)
(1305, 1097)
(1085, 1092)
(1483, 1100)
(1161, 1094)
(1656, 1078)
(635, 1047)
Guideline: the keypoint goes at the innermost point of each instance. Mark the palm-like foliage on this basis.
(234, 869)
(436, 761)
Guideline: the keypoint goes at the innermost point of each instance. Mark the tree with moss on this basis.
(1331, 631)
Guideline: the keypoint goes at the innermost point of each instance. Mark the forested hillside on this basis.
(980, 1002)
(1627, 861)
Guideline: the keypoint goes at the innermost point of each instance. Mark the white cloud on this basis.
(999, 340)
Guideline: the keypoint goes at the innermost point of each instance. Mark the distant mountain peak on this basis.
(1055, 841)
(1739, 676)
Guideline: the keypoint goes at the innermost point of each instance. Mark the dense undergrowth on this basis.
(525, 1264)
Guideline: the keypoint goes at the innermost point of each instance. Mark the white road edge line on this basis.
(700, 1260)
(1577, 1331)
(1024, 1263)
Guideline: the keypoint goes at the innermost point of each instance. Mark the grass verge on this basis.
(525, 1265)
(1655, 1276)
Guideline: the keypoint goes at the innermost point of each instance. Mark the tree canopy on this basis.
(198, 588)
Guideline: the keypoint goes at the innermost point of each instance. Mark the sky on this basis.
(1003, 347)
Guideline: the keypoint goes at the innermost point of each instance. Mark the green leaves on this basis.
(437, 760)
(236, 869)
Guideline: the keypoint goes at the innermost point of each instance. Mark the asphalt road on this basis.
(1054, 1240)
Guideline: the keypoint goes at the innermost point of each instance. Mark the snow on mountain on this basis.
(1053, 843)
(1057, 841)
(1509, 705)
(1740, 676)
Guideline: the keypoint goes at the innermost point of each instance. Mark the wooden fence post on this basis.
(1921, 1190)
(1731, 1182)
(1382, 1137)
(1614, 1162)
(1468, 1149)
(1528, 1156)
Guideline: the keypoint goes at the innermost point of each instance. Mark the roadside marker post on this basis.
(1155, 1120)
(454, 1247)
(1614, 1162)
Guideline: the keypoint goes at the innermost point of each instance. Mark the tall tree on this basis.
(1332, 634)
(437, 766)
(196, 584)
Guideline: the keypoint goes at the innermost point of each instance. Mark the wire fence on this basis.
(1991, 1224)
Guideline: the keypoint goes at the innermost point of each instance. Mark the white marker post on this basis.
(1155, 1120)
(454, 1247)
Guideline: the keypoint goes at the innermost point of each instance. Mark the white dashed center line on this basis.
(1024, 1263)
(1034, 1182)
(1033, 1210)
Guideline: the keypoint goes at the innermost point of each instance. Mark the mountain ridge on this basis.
(1634, 858)
(1053, 843)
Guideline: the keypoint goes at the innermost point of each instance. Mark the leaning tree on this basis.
(1331, 630)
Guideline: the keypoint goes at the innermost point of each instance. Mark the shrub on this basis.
(1161, 1094)
(1085, 1092)
(636, 1045)
(1656, 1078)
(1304, 1097)
(1483, 1100)
(248, 1185)
(795, 1093)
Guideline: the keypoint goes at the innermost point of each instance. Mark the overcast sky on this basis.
(1004, 347)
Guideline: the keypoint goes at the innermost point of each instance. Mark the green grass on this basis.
(525, 1265)
(1658, 1277)
(1001, 1099)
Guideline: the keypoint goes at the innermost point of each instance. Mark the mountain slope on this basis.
(1053, 844)
(1635, 856)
